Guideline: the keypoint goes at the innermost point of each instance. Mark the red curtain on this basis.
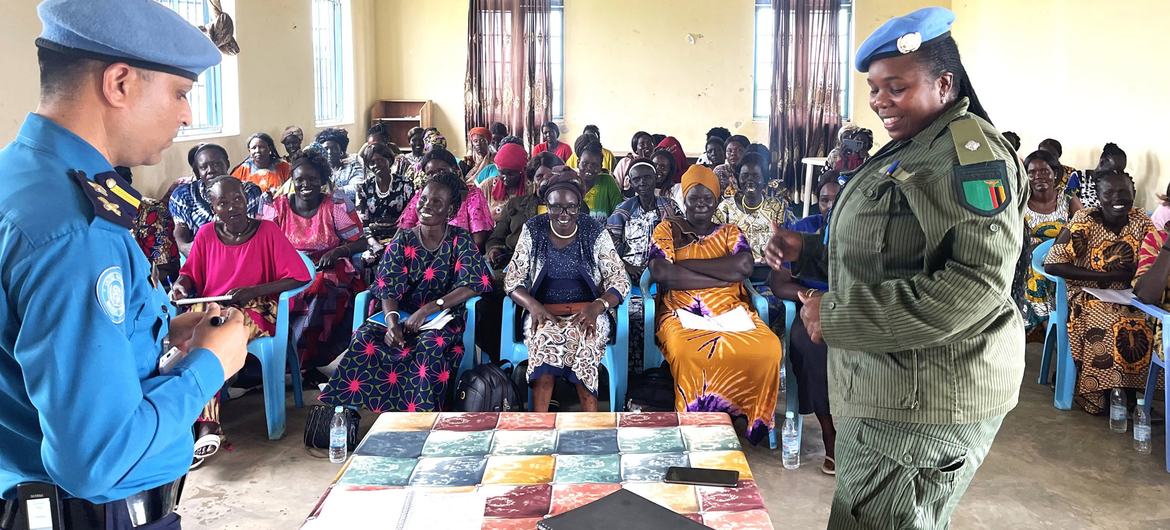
(806, 82)
(508, 66)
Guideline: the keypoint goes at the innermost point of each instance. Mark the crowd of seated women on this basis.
(567, 232)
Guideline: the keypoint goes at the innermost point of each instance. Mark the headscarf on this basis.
(671, 144)
(292, 131)
(564, 178)
(509, 157)
(481, 131)
(433, 139)
(698, 175)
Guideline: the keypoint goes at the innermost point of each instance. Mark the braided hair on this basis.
(194, 152)
(333, 134)
(585, 140)
(941, 56)
(263, 137)
(454, 184)
(718, 132)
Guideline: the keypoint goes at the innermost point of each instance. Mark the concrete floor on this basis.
(1048, 468)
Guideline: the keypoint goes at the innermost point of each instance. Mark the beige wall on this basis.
(275, 81)
(422, 54)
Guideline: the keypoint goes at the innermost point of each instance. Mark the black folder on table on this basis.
(620, 509)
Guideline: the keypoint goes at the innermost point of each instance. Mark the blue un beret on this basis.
(905, 34)
(141, 33)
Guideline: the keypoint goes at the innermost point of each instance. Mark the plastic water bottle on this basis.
(1117, 421)
(338, 435)
(1141, 428)
(791, 448)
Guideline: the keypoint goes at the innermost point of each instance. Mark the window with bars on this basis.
(765, 44)
(329, 61)
(206, 95)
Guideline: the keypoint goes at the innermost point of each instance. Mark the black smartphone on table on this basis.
(699, 476)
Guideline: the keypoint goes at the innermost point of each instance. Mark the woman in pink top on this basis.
(213, 269)
(324, 225)
(474, 215)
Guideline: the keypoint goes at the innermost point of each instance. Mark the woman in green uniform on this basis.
(926, 345)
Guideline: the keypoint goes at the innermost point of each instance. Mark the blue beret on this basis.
(141, 33)
(905, 34)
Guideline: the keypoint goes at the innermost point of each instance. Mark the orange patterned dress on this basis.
(737, 373)
(1110, 343)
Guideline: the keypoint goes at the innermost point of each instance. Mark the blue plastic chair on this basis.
(1157, 364)
(1056, 335)
(275, 354)
(361, 311)
(615, 361)
(652, 355)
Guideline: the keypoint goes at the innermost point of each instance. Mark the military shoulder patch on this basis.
(983, 188)
(112, 197)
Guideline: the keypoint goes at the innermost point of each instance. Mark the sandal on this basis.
(829, 466)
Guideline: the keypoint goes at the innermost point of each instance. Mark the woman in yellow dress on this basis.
(700, 267)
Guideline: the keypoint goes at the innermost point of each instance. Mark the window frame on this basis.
(330, 104)
(761, 111)
(557, 54)
(206, 97)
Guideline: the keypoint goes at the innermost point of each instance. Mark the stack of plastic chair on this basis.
(652, 355)
(1056, 335)
(277, 353)
(361, 311)
(1157, 364)
(615, 360)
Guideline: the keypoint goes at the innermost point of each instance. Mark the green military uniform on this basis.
(926, 347)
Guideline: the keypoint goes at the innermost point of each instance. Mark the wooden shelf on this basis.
(401, 116)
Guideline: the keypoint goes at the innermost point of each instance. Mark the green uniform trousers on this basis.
(905, 475)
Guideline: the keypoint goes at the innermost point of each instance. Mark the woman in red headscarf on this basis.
(509, 182)
(671, 144)
(479, 155)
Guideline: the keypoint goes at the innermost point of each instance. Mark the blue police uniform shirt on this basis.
(81, 402)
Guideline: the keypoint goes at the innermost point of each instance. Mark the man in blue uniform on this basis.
(86, 412)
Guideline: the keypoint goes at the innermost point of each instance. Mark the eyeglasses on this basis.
(557, 209)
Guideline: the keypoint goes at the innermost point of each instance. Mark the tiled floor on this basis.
(1048, 468)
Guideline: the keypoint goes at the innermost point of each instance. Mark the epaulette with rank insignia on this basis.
(980, 180)
(112, 197)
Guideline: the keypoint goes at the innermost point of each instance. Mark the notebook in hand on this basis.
(620, 509)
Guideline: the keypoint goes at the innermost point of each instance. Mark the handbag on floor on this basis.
(487, 388)
(651, 391)
(319, 421)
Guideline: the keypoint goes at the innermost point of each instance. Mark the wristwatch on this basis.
(440, 303)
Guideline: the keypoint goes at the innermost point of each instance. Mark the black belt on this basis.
(142, 509)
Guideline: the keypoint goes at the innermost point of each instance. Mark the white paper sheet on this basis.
(736, 320)
(1114, 296)
(403, 509)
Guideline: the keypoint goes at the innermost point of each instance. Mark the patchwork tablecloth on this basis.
(532, 465)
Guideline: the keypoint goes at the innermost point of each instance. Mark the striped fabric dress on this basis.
(737, 373)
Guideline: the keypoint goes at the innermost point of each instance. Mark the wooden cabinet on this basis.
(400, 116)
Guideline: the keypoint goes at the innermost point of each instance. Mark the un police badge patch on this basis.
(111, 294)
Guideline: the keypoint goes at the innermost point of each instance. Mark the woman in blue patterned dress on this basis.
(425, 269)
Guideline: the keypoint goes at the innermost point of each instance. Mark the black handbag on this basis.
(487, 388)
(651, 391)
(320, 420)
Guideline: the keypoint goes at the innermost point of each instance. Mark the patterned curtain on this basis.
(806, 82)
(508, 66)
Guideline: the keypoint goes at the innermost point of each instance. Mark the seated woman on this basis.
(426, 269)
(1150, 283)
(324, 225)
(404, 164)
(594, 134)
(382, 198)
(190, 204)
(346, 171)
(641, 146)
(509, 181)
(735, 148)
(751, 209)
(506, 233)
(567, 275)
(602, 194)
(550, 134)
(154, 230)
(714, 152)
(1110, 343)
(473, 214)
(480, 160)
(213, 269)
(1048, 211)
(263, 167)
(664, 185)
(700, 267)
